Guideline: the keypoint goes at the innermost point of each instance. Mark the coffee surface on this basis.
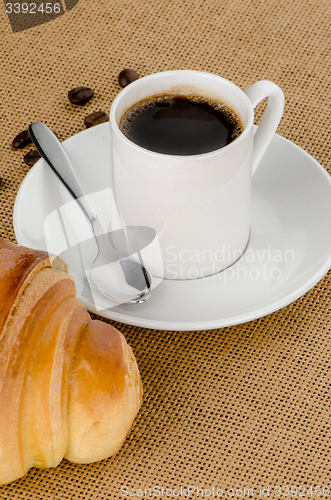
(180, 125)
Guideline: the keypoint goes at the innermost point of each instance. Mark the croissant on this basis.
(69, 386)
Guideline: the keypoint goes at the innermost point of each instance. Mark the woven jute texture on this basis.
(235, 408)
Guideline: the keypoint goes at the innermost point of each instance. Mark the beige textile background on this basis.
(240, 407)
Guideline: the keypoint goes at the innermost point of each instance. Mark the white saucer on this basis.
(288, 253)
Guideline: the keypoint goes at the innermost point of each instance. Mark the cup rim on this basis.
(130, 87)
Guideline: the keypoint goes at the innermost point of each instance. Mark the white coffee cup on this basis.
(199, 204)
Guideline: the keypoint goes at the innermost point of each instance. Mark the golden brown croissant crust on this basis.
(69, 386)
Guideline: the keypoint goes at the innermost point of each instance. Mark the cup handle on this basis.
(271, 118)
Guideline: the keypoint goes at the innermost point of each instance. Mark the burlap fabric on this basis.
(240, 407)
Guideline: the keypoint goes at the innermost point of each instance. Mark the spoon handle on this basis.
(53, 153)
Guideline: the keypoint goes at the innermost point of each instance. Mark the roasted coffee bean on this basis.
(80, 95)
(21, 140)
(127, 76)
(96, 118)
(31, 157)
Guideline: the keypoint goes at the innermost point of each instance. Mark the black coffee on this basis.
(180, 125)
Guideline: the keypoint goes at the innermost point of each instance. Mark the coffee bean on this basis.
(21, 140)
(31, 157)
(80, 95)
(96, 118)
(127, 76)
